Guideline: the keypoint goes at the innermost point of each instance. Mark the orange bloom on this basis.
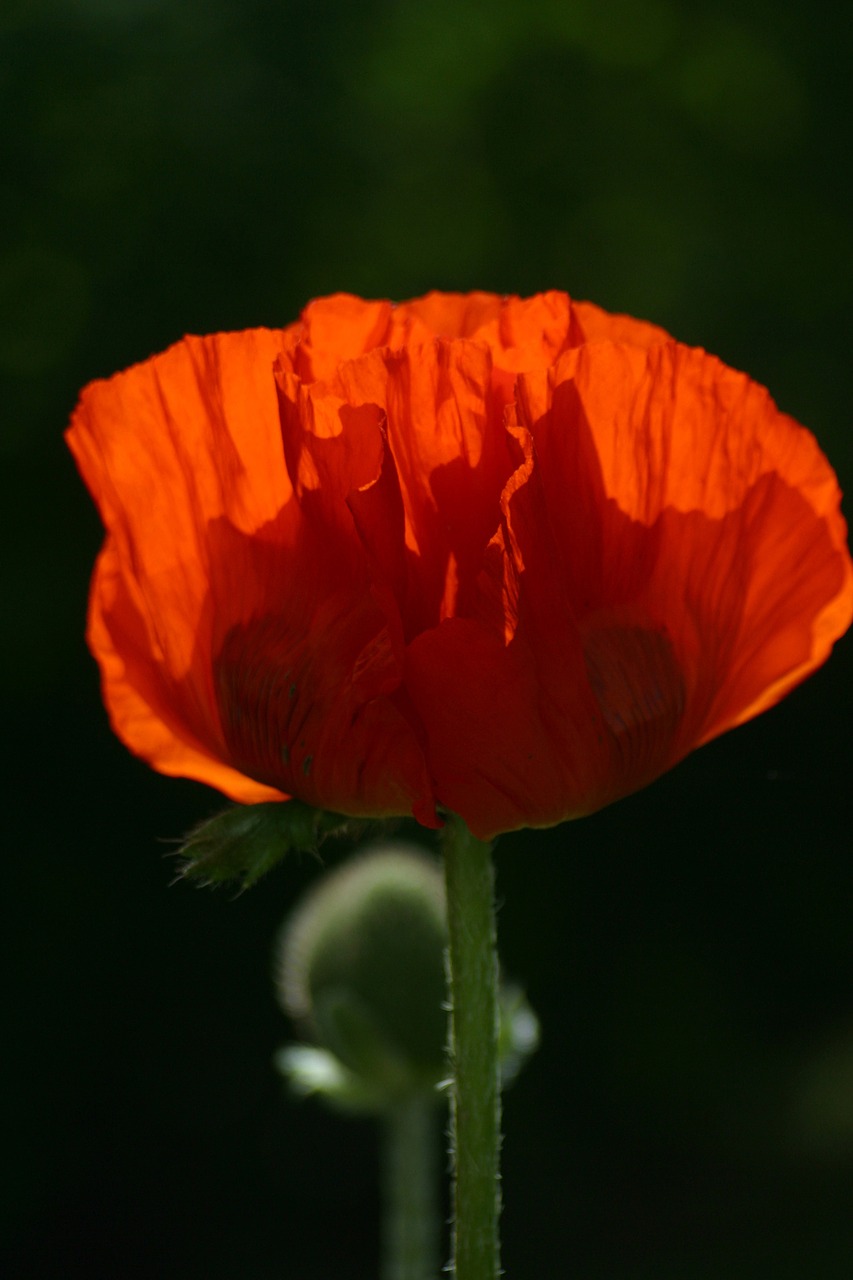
(512, 558)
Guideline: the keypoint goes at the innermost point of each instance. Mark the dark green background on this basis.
(170, 167)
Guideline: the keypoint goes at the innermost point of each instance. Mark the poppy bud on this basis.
(360, 968)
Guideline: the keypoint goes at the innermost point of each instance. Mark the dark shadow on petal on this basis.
(639, 685)
(305, 677)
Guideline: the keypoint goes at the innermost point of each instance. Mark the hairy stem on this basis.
(475, 1095)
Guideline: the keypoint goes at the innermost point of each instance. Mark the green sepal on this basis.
(243, 843)
(311, 1071)
(518, 1032)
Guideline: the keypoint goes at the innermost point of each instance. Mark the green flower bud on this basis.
(361, 970)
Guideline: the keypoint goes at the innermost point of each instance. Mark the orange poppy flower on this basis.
(510, 558)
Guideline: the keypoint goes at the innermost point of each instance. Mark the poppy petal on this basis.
(451, 458)
(698, 506)
(306, 695)
(208, 537)
(168, 446)
(670, 560)
(332, 330)
(515, 735)
(598, 325)
(146, 708)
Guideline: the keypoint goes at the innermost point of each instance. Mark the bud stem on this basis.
(475, 1094)
(411, 1219)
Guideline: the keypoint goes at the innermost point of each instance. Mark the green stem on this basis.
(411, 1227)
(475, 1095)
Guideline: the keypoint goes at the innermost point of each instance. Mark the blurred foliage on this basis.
(172, 165)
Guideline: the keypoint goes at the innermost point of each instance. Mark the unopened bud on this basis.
(360, 969)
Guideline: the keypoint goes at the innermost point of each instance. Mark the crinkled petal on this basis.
(698, 506)
(331, 330)
(149, 711)
(444, 315)
(224, 585)
(451, 459)
(515, 736)
(597, 325)
(674, 427)
(332, 448)
(307, 688)
(168, 446)
(671, 559)
(520, 333)
(380, 520)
